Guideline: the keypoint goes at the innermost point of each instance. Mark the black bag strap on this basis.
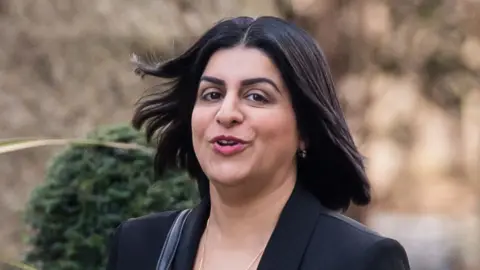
(171, 243)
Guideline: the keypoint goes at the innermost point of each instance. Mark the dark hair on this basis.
(333, 170)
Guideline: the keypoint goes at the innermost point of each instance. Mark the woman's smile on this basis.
(228, 145)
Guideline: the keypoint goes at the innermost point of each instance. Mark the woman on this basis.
(250, 112)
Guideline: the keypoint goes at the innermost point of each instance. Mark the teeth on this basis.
(226, 142)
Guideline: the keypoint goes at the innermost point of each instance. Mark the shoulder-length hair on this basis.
(333, 170)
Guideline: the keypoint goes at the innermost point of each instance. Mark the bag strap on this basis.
(171, 243)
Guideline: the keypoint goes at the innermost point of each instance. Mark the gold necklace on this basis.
(204, 244)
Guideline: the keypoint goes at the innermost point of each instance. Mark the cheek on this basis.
(280, 132)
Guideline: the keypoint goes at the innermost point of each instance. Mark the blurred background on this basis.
(407, 73)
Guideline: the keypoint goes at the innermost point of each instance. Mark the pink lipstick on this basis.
(228, 145)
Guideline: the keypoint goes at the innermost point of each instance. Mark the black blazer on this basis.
(307, 236)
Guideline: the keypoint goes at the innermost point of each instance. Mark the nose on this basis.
(229, 113)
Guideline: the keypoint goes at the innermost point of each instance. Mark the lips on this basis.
(228, 145)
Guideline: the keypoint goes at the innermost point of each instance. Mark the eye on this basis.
(211, 95)
(257, 97)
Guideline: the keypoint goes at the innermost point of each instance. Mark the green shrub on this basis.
(88, 191)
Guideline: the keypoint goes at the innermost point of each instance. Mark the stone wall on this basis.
(408, 74)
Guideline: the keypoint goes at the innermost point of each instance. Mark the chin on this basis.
(228, 181)
(228, 177)
(229, 172)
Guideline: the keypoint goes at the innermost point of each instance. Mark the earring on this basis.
(302, 153)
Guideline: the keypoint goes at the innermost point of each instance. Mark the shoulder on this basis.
(141, 230)
(385, 254)
(342, 226)
(153, 221)
(356, 245)
(137, 242)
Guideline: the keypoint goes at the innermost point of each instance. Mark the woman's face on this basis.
(243, 123)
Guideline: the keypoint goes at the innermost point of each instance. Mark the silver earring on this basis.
(302, 153)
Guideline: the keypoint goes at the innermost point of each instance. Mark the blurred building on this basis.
(407, 73)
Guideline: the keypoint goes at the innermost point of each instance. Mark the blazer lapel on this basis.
(286, 246)
(292, 233)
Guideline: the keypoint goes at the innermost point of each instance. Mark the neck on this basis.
(248, 218)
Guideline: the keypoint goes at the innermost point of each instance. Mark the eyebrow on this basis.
(246, 82)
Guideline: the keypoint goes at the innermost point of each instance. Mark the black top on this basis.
(307, 236)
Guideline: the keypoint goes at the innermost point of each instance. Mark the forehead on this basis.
(241, 63)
